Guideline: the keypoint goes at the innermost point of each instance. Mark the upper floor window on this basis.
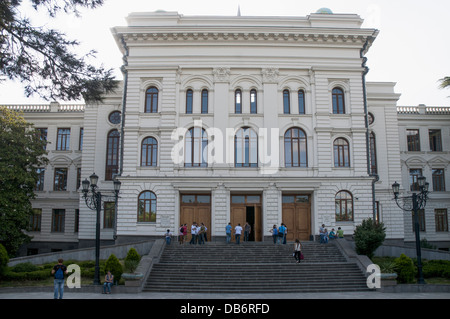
(253, 102)
(373, 153)
(438, 180)
(301, 102)
(63, 139)
(151, 100)
(115, 117)
(414, 175)
(341, 153)
(246, 148)
(189, 101)
(435, 140)
(295, 150)
(43, 135)
(60, 179)
(195, 154)
(413, 140)
(80, 141)
(238, 101)
(286, 102)
(149, 152)
(338, 101)
(40, 180)
(204, 106)
(112, 154)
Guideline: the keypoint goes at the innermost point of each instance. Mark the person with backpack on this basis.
(274, 232)
(59, 271)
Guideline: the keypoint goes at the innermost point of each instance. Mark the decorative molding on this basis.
(221, 74)
(270, 75)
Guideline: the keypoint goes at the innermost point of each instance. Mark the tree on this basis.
(41, 58)
(21, 153)
(445, 82)
(368, 237)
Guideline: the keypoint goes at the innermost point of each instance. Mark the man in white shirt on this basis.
(237, 233)
(193, 233)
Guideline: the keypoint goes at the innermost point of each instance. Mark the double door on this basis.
(297, 216)
(247, 209)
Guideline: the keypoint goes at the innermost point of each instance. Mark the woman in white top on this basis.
(297, 250)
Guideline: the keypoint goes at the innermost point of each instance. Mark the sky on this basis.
(412, 48)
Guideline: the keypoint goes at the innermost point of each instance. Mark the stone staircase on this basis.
(253, 268)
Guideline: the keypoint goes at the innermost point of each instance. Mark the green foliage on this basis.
(24, 267)
(113, 265)
(4, 259)
(131, 261)
(404, 267)
(132, 255)
(436, 268)
(368, 237)
(21, 150)
(41, 58)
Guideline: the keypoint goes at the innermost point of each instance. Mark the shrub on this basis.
(113, 265)
(4, 259)
(24, 267)
(404, 267)
(368, 237)
(436, 268)
(133, 255)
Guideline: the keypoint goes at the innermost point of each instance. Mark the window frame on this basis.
(301, 98)
(290, 141)
(189, 101)
(343, 215)
(338, 100)
(253, 101)
(341, 152)
(413, 140)
(247, 147)
(197, 145)
(286, 101)
(151, 100)
(63, 139)
(204, 101)
(112, 160)
(148, 216)
(238, 101)
(151, 152)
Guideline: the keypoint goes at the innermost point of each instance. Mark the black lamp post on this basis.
(93, 199)
(414, 203)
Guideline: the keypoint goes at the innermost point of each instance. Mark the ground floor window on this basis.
(147, 207)
(441, 218)
(344, 206)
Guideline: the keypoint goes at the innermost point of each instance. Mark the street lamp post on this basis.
(414, 203)
(93, 199)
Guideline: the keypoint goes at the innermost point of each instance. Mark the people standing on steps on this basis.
(193, 234)
(281, 233)
(298, 251)
(228, 232)
(274, 232)
(247, 231)
(237, 233)
(181, 234)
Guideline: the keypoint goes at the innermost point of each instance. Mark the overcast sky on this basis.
(412, 49)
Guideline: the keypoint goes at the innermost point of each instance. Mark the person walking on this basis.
(181, 234)
(168, 236)
(193, 233)
(237, 232)
(228, 232)
(297, 250)
(281, 231)
(285, 234)
(59, 271)
(274, 232)
(247, 231)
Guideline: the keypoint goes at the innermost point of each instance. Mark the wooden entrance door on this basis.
(297, 216)
(195, 208)
(247, 208)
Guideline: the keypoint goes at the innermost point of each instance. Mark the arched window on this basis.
(195, 154)
(112, 155)
(301, 102)
(238, 101)
(149, 152)
(204, 101)
(341, 153)
(253, 102)
(344, 206)
(246, 148)
(295, 150)
(373, 153)
(189, 101)
(146, 207)
(338, 101)
(151, 100)
(286, 102)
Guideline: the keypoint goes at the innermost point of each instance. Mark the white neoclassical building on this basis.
(265, 120)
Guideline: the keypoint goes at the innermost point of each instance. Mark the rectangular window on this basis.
(43, 135)
(421, 220)
(63, 139)
(35, 222)
(286, 102)
(109, 213)
(435, 140)
(238, 102)
(301, 102)
(438, 180)
(413, 139)
(60, 183)
(205, 101)
(40, 181)
(77, 221)
(80, 144)
(441, 218)
(414, 175)
(253, 102)
(58, 220)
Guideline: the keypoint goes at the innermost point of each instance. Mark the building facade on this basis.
(265, 120)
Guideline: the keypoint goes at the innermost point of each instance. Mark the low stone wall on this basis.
(396, 251)
(120, 251)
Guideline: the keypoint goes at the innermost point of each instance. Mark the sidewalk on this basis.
(241, 297)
